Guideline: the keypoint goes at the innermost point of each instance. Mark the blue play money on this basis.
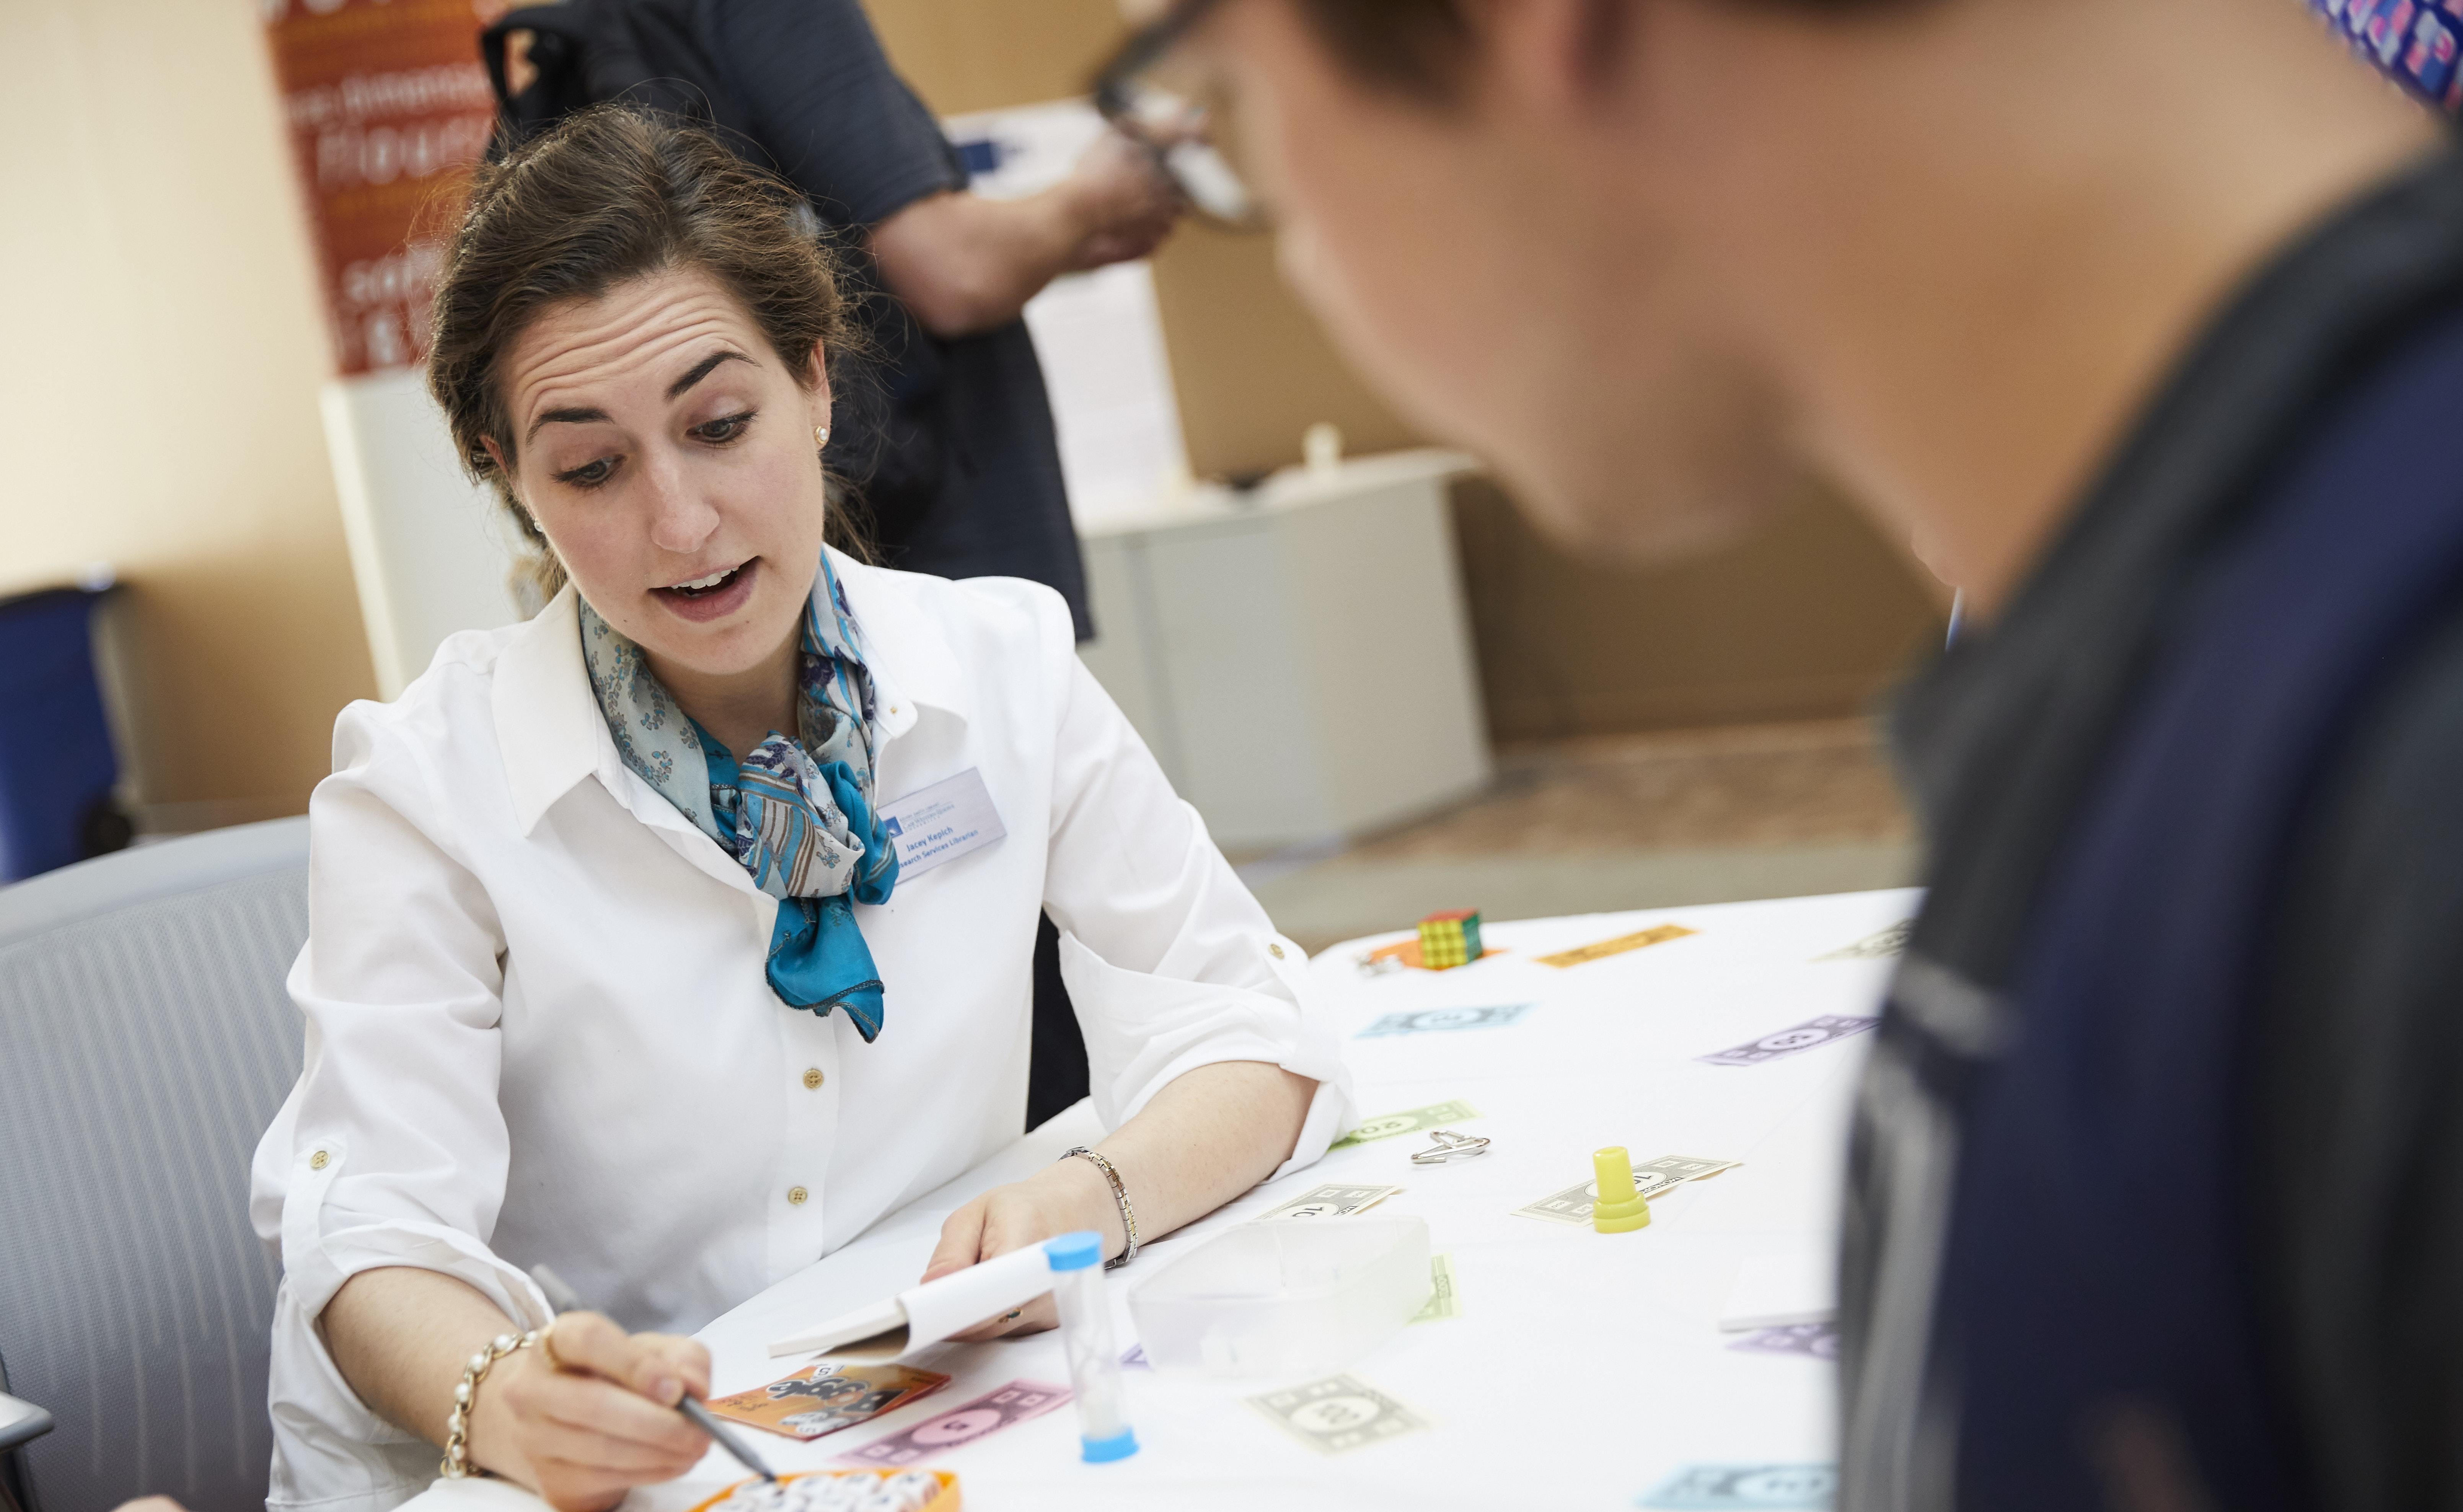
(1428, 1020)
(1731, 1488)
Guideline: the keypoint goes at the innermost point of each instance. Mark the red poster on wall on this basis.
(388, 107)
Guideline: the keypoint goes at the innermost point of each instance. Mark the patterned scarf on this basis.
(796, 814)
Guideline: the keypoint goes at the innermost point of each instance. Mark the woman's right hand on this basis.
(584, 1435)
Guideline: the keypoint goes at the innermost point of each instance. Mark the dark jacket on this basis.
(2150, 1181)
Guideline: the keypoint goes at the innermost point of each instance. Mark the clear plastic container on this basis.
(1284, 1297)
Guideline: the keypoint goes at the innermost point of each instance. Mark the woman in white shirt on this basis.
(677, 935)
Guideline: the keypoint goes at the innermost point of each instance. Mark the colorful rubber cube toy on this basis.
(1449, 940)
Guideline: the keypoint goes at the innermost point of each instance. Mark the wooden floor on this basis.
(1625, 822)
(1753, 784)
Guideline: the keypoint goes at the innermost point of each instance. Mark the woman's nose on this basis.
(681, 520)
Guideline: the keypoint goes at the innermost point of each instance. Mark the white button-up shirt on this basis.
(538, 1028)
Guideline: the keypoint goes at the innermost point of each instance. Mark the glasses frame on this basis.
(1115, 95)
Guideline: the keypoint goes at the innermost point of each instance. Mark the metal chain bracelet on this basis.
(1120, 1195)
(466, 1393)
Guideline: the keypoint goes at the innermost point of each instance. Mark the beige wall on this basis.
(159, 406)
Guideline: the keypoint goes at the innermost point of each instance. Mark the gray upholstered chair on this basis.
(145, 1041)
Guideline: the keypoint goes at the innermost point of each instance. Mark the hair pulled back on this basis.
(608, 195)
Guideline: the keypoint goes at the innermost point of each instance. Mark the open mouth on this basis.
(714, 597)
(704, 587)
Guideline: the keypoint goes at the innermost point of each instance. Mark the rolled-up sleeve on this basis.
(392, 1148)
(1170, 961)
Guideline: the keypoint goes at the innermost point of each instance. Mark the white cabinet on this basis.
(1298, 656)
(433, 551)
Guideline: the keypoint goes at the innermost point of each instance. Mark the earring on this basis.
(820, 435)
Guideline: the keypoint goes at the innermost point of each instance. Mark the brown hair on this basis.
(610, 194)
(1418, 48)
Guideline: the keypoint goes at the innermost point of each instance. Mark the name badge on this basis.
(942, 823)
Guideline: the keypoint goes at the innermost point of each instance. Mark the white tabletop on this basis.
(1584, 1368)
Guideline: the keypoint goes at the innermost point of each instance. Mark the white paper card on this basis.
(929, 1313)
(942, 823)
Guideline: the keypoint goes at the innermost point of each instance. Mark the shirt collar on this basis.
(551, 734)
(907, 651)
(548, 726)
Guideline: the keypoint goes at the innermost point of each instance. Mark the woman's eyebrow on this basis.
(702, 370)
(563, 417)
(592, 417)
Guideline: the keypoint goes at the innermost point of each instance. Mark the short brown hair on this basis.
(611, 194)
(1416, 47)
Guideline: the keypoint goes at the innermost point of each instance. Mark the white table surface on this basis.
(1585, 1368)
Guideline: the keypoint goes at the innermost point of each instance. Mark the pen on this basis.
(564, 1299)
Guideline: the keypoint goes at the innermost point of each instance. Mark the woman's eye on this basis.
(589, 475)
(724, 430)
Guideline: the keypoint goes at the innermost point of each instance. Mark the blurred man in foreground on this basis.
(2144, 319)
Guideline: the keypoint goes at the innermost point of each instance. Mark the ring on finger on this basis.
(1012, 1314)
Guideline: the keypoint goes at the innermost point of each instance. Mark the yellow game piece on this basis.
(1620, 1209)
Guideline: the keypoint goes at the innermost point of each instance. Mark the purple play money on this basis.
(1811, 1035)
(987, 1414)
(1820, 1340)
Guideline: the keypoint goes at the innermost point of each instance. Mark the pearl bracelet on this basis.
(466, 1393)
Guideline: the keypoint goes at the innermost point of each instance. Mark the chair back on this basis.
(146, 1043)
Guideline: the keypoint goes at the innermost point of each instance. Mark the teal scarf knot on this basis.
(797, 813)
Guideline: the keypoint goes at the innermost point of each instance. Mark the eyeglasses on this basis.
(1153, 94)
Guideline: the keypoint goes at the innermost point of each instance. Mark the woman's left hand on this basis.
(1060, 1198)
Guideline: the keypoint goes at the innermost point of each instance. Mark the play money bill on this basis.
(1386, 1126)
(1818, 1340)
(1332, 1201)
(1338, 1414)
(987, 1414)
(1890, 942)
(1442, 1302)
(825, 1398)
(1652, 1179)
(1428, 1020)
(1811, 1035)
(1601, 949)
(1746, 1488)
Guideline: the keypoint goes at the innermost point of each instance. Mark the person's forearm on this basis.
(962, 265)
(401, 1336)
(1206, 1138)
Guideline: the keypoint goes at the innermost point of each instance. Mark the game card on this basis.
(1338, 1413)
(1386, 1126)
(1332, 1201)
(987, 1414)
(1811, 1035)
(1429, 1021)
(825, 1398)
(1656, 934)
